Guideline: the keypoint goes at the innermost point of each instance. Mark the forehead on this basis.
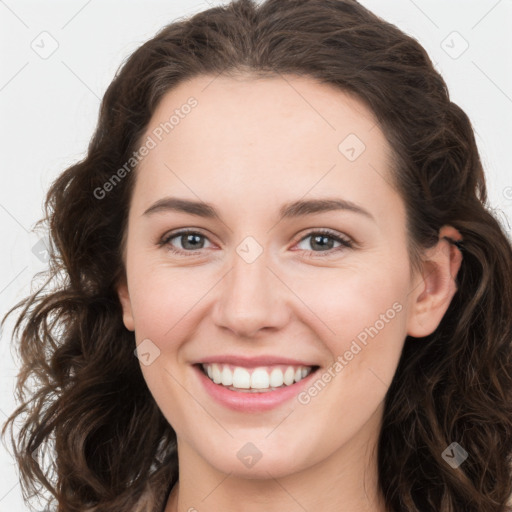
(273, 136)
(279, 112)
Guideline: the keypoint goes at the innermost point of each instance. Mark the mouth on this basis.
(261, 379)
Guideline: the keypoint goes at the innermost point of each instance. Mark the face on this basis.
(255, 284)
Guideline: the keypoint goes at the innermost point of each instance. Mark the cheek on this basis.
(360, 317)
(362, 321)
(347, 301)
(166, 304)
(162, 296)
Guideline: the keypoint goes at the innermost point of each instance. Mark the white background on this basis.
(49, 107)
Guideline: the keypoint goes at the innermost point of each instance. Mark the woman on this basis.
(283, 216)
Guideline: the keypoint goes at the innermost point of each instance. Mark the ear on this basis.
(124, 298)
(432, 296)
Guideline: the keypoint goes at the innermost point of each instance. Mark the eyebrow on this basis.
(289, 210)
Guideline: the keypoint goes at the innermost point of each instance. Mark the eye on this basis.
(323, 239)
(189, 241)
(193, 242)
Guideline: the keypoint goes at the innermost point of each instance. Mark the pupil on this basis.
(190, 238)
(323, 237)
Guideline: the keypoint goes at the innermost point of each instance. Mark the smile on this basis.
(255, 380)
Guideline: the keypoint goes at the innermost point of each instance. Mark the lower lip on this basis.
(251, 402)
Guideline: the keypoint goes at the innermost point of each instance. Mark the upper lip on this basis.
(249, 362)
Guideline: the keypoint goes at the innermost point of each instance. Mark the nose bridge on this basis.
(251, 296)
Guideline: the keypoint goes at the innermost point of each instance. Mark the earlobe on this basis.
(433, 296)
(124, 299)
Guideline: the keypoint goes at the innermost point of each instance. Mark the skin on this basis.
(247, 148)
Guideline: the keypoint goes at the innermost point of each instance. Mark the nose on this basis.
(251, 298)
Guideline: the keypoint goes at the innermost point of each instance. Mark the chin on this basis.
(248, 462)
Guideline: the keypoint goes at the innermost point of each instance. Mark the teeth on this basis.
(260, 379)
(263, 378)
(289, 375)
(241, 378)
(276, 378)
(216, 375)
(227, 377)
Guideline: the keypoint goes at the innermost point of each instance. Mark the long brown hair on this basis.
(88, 403)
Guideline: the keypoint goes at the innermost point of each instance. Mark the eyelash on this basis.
(346, 243)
